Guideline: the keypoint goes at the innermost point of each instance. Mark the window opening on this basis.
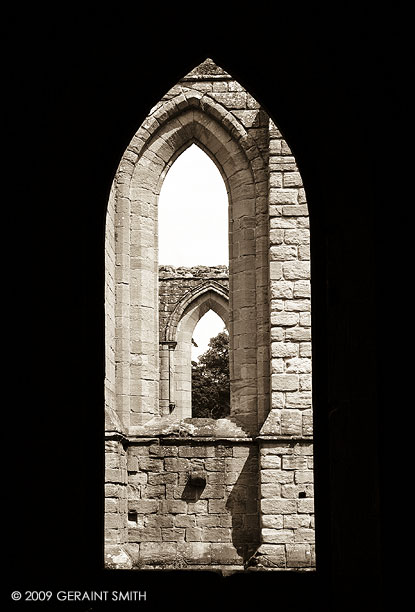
(193, 233)
(210, 368)
(193, 213)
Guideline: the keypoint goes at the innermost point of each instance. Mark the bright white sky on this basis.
(193, 225)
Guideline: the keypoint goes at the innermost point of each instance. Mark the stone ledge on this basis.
(191, 428)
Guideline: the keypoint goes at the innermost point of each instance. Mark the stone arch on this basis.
(209, 292)
(181, 121)
(263, 451)
(189, 311)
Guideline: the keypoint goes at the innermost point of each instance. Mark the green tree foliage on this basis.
(210, 380)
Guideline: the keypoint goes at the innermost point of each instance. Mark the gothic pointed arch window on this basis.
(193, 241)
(249, 474)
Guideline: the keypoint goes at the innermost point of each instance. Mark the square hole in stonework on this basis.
(132, 516)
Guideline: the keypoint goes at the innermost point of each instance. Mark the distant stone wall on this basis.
(185, 295)
(176, 282)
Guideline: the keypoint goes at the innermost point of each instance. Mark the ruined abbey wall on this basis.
(185, 295)
(236, 493)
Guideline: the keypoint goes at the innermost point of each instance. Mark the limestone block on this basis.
(277, 400)
(154, 491)
(283, 349)
(270, 462)
(284, 382)
(270, 490)
(212, 520)
(279, 222)
(275, 268)
(111, 504)
(225, 554)
(283, 253)
(291, 423)
(307, 424)
(305, 506)
(277, 366)
(276, 476)
(274, 521)
(297, 236)
(216, 534)
(305, 349)
(217, 506)
(148, 534)
(132, 464)
(303, 534)
(284, 197)
(272, 555)
(215, 465)
(143, 506)
(155, 553)
(293, 462)
(277, 536)
(278, 506)
(160, 450)
(305, 382)
(304, 252)
(301, 400)
(298, 555)
(298, 364)
(295, 521)
(232, 100)
(213, 492)
(194, 534)
(173, 535)
(282, 289)
(172, 464)
(171, 506)
(292, 179)
(298, 305)
(275, 179)
(113, 475)
(196, 451)
(276, 236)
(275, 144)
(298, 334)
(198, 553)
(113, 520)
(150, 465)
(291, 210)
(199, 507)
(296, 270)
(159, 521)
(285, 319)
(305, 318)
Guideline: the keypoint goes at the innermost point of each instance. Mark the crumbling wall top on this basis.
(170, 272)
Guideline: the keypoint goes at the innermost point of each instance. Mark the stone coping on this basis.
(190, 428)
(198, 430)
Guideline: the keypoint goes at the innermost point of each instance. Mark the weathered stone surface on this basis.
(251, 503)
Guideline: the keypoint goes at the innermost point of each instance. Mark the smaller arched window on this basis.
(210, 368)
(176, 365)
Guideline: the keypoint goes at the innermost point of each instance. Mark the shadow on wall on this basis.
(242, 504)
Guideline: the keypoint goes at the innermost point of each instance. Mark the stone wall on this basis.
(176, 282)
(255, 510)
(185, 295)
(175, 524)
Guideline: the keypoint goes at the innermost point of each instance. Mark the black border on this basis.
(79, 86)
